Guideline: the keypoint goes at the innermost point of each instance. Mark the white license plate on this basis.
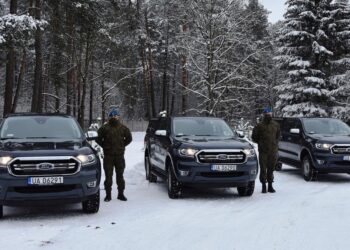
(224, 168)
(45, 180)
(347, 158)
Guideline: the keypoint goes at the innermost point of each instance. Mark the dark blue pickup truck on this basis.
(316, 145)
(46, 159)
(198, 152)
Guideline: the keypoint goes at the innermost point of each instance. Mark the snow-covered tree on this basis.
(313, 44)
(340, 62)
(304, 92)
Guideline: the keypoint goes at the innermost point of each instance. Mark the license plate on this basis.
(347, 158)
(45, 180)
(224, 168)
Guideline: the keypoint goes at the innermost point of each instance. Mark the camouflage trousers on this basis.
(267, 162)
(111, 162)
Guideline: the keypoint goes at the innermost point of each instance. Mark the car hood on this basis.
(215, 142)
(40, 147)
(332, 139)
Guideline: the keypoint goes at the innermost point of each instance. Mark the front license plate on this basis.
(45, 180)
(224, 168)
(347, 158)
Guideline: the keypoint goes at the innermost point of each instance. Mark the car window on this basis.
(326, 126)
(201, 127)
(40, 127)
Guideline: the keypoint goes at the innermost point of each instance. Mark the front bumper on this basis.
(330, 163)
(15, 191)
(201, 175)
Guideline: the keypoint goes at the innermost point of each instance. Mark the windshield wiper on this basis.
(40, 137)
(9, 138)
(181, 135)
(207, 135)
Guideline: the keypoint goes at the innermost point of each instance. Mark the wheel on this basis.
(307, 169)
(278, 166)
(92, 205)
(1, 211)
(247, 190)
(149, 176)
(174, 186)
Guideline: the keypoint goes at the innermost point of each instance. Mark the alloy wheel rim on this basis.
(147, 167)
(306, 167)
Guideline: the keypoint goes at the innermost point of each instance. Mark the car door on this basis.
(152, 147)
(293, 141)
(163, 143)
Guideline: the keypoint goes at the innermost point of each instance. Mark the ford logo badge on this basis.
(222, 157)
(45, 166)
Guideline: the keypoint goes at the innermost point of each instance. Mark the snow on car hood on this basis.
(21, 145)
(215, 142)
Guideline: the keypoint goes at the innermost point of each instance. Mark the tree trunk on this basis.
(19, 81)
(37, 100)
(10, 69)
(150, 69)
(91, 96)
(165, 71)
(71, 61)
(184, 77)
(81, 115)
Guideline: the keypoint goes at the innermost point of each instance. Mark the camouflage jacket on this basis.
(114, 138)
(267, 135)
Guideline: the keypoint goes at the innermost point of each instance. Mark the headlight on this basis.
(250, 152)
(4, 161)
(86, 159)
(323, 146)
(189, 152)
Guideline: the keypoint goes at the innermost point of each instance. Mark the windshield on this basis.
(40, 127)
(201, 127)
(326, 126)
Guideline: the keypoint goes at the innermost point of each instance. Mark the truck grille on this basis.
(230, 157)
(37, 166)
(339, 149)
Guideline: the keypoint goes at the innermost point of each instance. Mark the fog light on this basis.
(253, 172)
(184, 173)
(91, 184)
(321, 162)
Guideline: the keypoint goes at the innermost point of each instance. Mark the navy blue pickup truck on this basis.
(198, 152)
(316, 145)
(46, 159)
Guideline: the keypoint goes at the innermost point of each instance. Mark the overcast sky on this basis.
(276, 7)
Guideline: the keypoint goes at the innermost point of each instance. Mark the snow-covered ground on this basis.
(300, 215)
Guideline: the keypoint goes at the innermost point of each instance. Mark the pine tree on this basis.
(340, 63)
(304, 91)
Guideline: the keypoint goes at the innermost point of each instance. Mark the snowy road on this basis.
(300, 215)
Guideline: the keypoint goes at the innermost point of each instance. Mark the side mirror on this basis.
(295, 131)
(240, 134)
(91, 135)
(160, 132)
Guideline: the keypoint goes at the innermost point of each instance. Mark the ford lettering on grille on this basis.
(222, 157)
(45, 166)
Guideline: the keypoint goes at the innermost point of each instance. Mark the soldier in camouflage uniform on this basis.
(113, 137)
(267, 134)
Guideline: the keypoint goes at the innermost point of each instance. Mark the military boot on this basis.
(264, 188)
(108, 196)
(270, 188)
(121, 196)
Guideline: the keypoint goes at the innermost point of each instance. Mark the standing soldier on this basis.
(113, 137)
(267, 134)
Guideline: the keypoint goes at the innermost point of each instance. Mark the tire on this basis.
(247, 190)
(92, 204)
(308, 169)
(174, 186)
(278, 166)
(149, 176)
(1, 211)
